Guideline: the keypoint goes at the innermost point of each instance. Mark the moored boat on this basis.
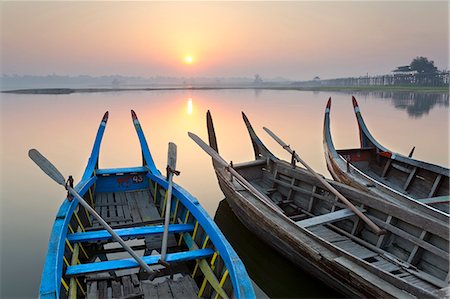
(373, 168)
(291, 210)
(182, 255)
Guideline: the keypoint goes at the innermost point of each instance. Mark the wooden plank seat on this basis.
(83, 269)
(435, 200)
(327, 218)
(128, 232)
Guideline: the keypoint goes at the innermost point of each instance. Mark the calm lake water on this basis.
(63, 127)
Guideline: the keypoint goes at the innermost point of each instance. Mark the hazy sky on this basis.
(297, 40)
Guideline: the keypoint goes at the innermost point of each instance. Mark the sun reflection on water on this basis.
(189, 106)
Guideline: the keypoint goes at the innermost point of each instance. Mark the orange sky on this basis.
(297, 40)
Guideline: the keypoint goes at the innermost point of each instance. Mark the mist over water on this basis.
(63, 128)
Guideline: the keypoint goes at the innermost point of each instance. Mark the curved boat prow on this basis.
(366, 139)
(211, 132)
(258, 147)
(327, 140)
(332, 157)
(146, 155)
(93, 159)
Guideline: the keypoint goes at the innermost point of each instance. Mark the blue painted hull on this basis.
(70, 249)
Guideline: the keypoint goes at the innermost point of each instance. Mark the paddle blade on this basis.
(277, 139)
(46, 166)
(172, 156)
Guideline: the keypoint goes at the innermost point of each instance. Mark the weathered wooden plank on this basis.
(155, 241)
(386, 168)
(326, 218)
(125, 207)
(134, 210)
(435, 185)
(401, 168)
(102, 289)
(182, 288)
(127, 286)
(135, 280)
(425, 245)
(373, 278)
(438, 199)
(410, 177)
(416, 248)
(163, 290)
(429, 278)
(116, 289)
(128, 224)
(146, 207)
(111, 204)
(92, 291)
(149, 289)
(386, 265)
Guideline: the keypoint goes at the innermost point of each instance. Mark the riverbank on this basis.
(390, 88)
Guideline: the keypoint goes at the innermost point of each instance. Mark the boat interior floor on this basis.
(330, 233)
(374, 171)
(130, 286)
(126, 209)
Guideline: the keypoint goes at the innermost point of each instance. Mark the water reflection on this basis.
(416, 104)
(189, 106)
(63, 128)
(275, 275)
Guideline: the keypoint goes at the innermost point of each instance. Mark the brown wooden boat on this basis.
(373, 168)
(291, 210)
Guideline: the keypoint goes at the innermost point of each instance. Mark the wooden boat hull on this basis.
(83, 261)
(373, 168)
(341, 252)
(294, 248)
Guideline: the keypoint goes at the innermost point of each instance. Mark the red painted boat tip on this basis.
(329, 103)
(386, 154)
(105, 116)
(133, 114)
(355, 103)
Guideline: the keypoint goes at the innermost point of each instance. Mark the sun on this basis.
(188, 59)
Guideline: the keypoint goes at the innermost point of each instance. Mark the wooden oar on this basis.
(171, 164)
(369, 222)
(210, 151)
(54, 174)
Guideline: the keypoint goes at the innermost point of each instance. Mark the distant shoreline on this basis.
(48, 91)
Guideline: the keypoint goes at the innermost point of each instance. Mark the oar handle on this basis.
(210, 151)
(110, 230)
(56, 175)
(171, 164)
(361, 215)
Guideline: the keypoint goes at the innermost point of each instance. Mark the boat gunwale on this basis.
(334, 156)
(364, 131)
(52, 274)
(388, 277)
(301, 233)
(53, 266)
(224, 182)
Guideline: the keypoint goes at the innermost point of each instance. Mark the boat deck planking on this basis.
(394, 177)
(125, 208)
(129, 286)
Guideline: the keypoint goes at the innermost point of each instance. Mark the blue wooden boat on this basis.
(375, 169)
(83, 261)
